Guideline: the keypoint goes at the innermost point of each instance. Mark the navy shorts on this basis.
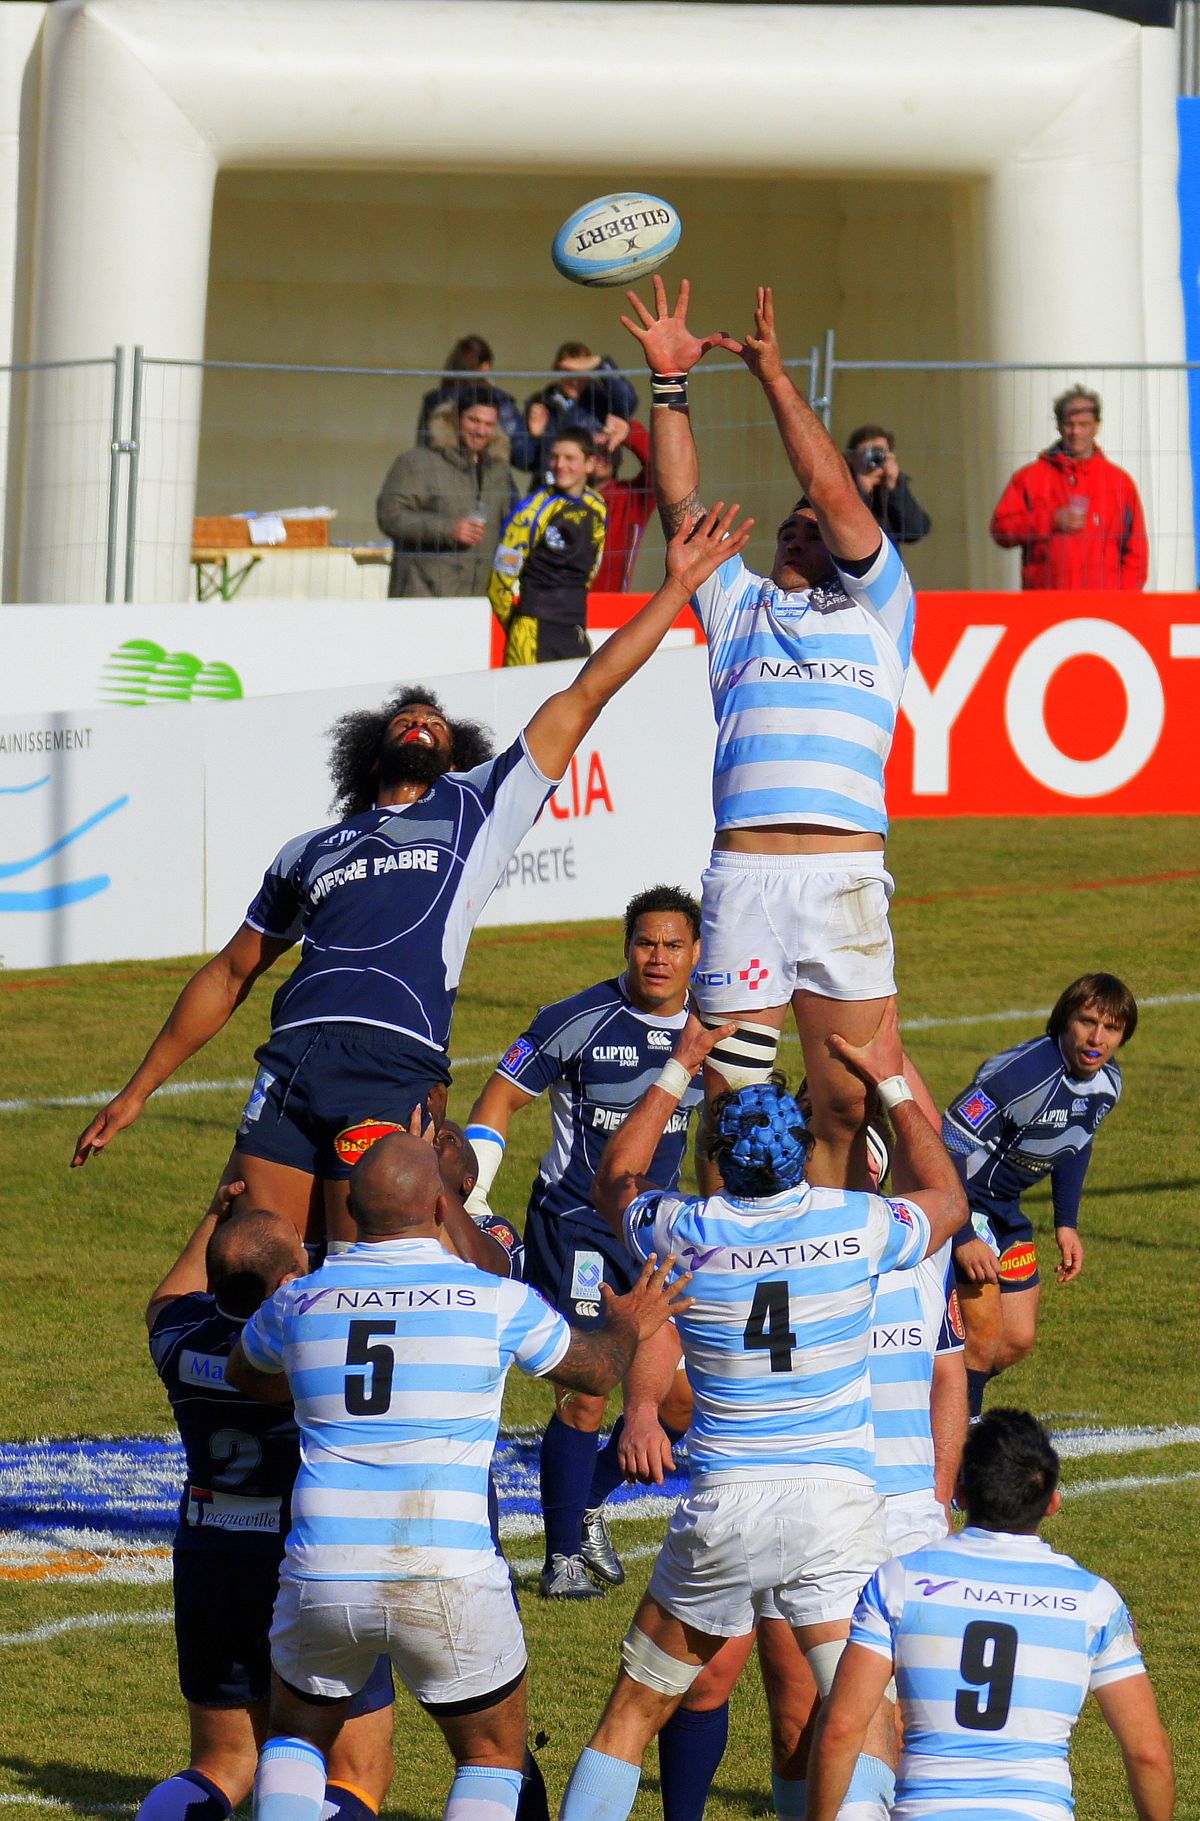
(316, 1080)
(567, 1264)
(1013, 1234)
(223, 1607)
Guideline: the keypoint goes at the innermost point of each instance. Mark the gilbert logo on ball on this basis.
(356, 1139)
(616, 239)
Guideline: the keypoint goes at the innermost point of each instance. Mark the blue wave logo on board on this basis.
(72, 891)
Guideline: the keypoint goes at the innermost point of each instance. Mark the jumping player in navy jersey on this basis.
(384, 902)
(596, 1052)
(1030, 1112)
(242, 1457)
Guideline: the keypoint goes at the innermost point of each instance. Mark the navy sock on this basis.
(534, 1804)
(187, 1796)
(977, 1384)
(607, 1474)
(345, 1804)
(567, 1465)
(690, 1747)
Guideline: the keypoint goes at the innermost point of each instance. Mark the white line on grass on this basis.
(70, 1808)
(85, 1621)
(173, 1089)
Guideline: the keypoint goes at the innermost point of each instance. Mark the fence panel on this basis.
(55, 518)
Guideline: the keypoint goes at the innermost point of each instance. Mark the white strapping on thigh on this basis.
(652, 1667)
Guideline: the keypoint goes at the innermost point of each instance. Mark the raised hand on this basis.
(696, 1040)
(760, 351)
(667, 342)
(654, 1299)
(698, 549)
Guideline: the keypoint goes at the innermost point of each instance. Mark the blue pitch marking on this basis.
(131, 1485)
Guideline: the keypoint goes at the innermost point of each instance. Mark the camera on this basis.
(872, 457)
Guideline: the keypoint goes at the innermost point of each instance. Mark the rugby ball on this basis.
(616, 239)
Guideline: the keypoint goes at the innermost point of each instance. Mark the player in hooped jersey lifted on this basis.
(806, 668)
(384, 902)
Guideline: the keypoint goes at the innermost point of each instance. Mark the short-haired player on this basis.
(594, 1053)
(777, 1340)
(806, 667)
(995, 1641)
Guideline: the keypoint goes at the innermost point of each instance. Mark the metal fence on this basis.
(111, 461)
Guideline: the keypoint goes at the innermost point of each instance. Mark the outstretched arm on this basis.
(206, 1003)
(671, 349)
(630, 1151)
(597, 1361)
(694, 553)
(848, 525)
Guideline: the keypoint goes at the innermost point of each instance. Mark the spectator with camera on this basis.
(443, 505)
(871, 453)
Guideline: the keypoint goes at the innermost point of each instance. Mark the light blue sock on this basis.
(871, 1793)
(601, 1788)
(290, 1784)
(482, 1792)
(790, 1795)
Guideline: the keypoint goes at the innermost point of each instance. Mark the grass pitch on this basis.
(991, 918)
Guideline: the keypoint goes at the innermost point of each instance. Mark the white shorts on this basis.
(809, 1545)
(773, 924)
(912, 1519)
(450, 1641)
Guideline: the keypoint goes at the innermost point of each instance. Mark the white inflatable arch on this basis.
(1056, 128)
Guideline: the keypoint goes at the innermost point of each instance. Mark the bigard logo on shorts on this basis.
(352, 1143)
(1019, 1263)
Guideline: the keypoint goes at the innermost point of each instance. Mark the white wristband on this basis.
(673, 1079)
(488, 1146)
(892, 1091)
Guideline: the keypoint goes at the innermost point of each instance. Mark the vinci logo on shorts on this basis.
(516, 1054)
(976, 1109)
(1019, 1262)
(356, 1139)
(587, 1274)
(752, 975)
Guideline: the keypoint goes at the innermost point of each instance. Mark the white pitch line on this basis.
(1134, 1484)
(1082, 1443)
(87, 1621)
(70, 1808)
(174, 1089)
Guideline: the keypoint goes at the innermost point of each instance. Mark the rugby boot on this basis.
(597, 1550)
(568, 1579)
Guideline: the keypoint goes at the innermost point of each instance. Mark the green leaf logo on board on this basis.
(140, 673)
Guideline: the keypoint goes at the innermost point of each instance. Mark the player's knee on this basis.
(841, 1104)
(748, 1056)
(1012, 1349)
(644, 1662)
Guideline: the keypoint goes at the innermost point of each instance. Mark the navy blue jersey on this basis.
(597, 1056)
(242, 1456)
(506, 1235)
(386, 901)
(1025, 1116)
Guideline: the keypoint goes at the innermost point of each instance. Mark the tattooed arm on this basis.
(598, 1360)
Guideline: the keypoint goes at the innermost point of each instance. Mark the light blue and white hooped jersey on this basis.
(805, 689)
(996, 1640)
(915, 1319)
(396, 1355)
(778, 1336)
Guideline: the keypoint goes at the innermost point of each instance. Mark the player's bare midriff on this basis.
(797, 838)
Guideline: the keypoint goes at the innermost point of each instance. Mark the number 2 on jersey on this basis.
(768, 1325)
(988, 1662)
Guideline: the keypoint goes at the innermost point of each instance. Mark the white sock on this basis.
(481, 1792)
(290, 1784)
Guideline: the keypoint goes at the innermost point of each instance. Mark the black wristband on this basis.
(669, 390)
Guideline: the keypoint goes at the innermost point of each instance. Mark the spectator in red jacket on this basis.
(629, 502)
(1076, 515)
